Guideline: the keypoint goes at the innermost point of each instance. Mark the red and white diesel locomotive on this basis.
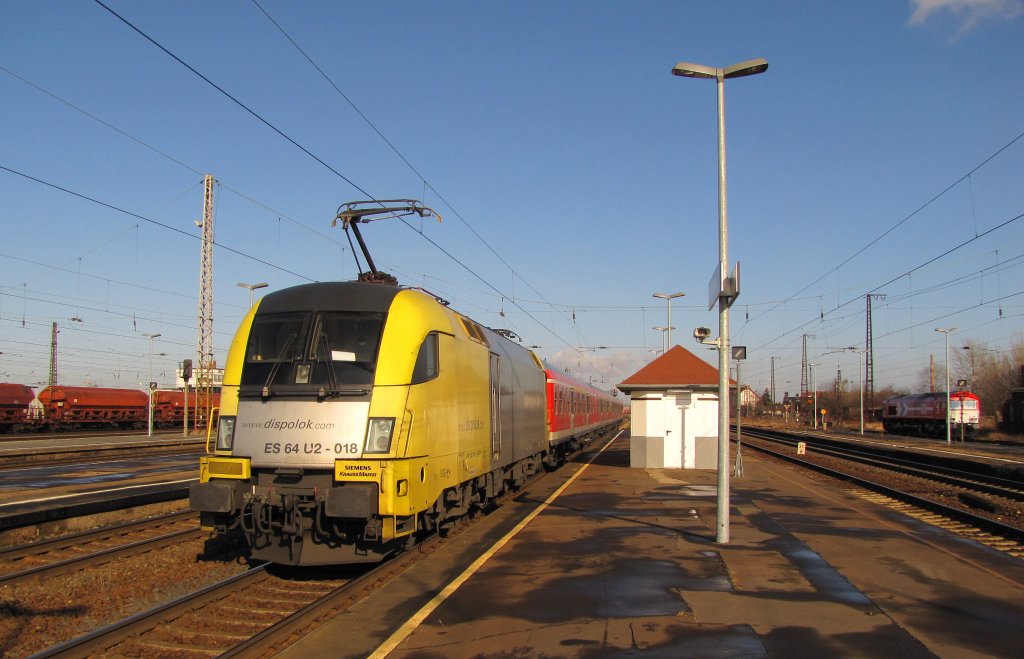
(925, 414)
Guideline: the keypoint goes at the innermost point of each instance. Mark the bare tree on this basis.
(990, 374)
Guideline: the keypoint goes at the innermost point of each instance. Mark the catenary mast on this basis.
(53, 355)
(204, 373)
(869, 357)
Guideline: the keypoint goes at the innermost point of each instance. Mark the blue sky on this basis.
(575, 175)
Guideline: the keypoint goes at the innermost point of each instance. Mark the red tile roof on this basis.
(676, 368)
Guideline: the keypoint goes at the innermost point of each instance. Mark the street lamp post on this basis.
(665, 331)
(814, 388)
(668, 297)
(252, 287)
(945, 332)
(149, 384)
(860, 368)
(720, 75)
(739, 353)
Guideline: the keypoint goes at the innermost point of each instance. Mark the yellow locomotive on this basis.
(354, 415)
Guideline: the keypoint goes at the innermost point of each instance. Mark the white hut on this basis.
(674, 407)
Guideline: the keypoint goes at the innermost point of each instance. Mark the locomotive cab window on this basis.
(344, 348)
(427, 364)
(274, 339)
(340, 349)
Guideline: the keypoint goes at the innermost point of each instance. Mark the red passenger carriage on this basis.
(577, 411)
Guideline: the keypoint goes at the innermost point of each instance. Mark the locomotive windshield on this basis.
(305, 351)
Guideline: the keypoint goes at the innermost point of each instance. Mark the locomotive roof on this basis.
(331, 296)
(933, 394)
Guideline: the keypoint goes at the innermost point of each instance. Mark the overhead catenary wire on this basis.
(225, 185)
(391, 145)
(906, 219)
(150, 221)
(425, 182)
(900, 276)
(309, 153)
(553, 319)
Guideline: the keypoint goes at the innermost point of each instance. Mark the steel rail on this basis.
(95, 535)
(967, 479)
(163, 616)
(1007, 531)
(111, 635)
(308, 615)
(101, 557)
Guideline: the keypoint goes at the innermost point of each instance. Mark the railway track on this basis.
(963, 474)
(91, 548)
(980, 527)
(90, 433)
(252, 614)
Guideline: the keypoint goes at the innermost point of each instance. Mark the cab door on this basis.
(495, 383)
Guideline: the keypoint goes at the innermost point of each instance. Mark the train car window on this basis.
(427, 363)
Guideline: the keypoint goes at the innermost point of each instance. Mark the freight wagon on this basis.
(93, 407)
(14, 404)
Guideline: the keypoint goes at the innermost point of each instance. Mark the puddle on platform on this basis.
(825, 578)
(700, 490)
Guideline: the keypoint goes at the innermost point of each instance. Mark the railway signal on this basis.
(186, 375)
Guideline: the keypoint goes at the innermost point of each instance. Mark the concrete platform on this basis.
(623, 562)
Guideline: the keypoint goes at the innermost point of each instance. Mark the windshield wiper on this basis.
(325, 345)
(277, 364)
(338, 393)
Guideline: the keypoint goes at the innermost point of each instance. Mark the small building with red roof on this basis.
(674, 408)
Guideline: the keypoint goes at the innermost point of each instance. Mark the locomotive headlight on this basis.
(378, 435)
(226, 433)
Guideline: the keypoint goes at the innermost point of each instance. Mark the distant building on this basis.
(674, 408)
(748, 399)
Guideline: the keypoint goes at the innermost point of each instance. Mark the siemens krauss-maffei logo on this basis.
(296, 424)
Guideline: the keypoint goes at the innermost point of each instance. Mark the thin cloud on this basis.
(968, 13)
